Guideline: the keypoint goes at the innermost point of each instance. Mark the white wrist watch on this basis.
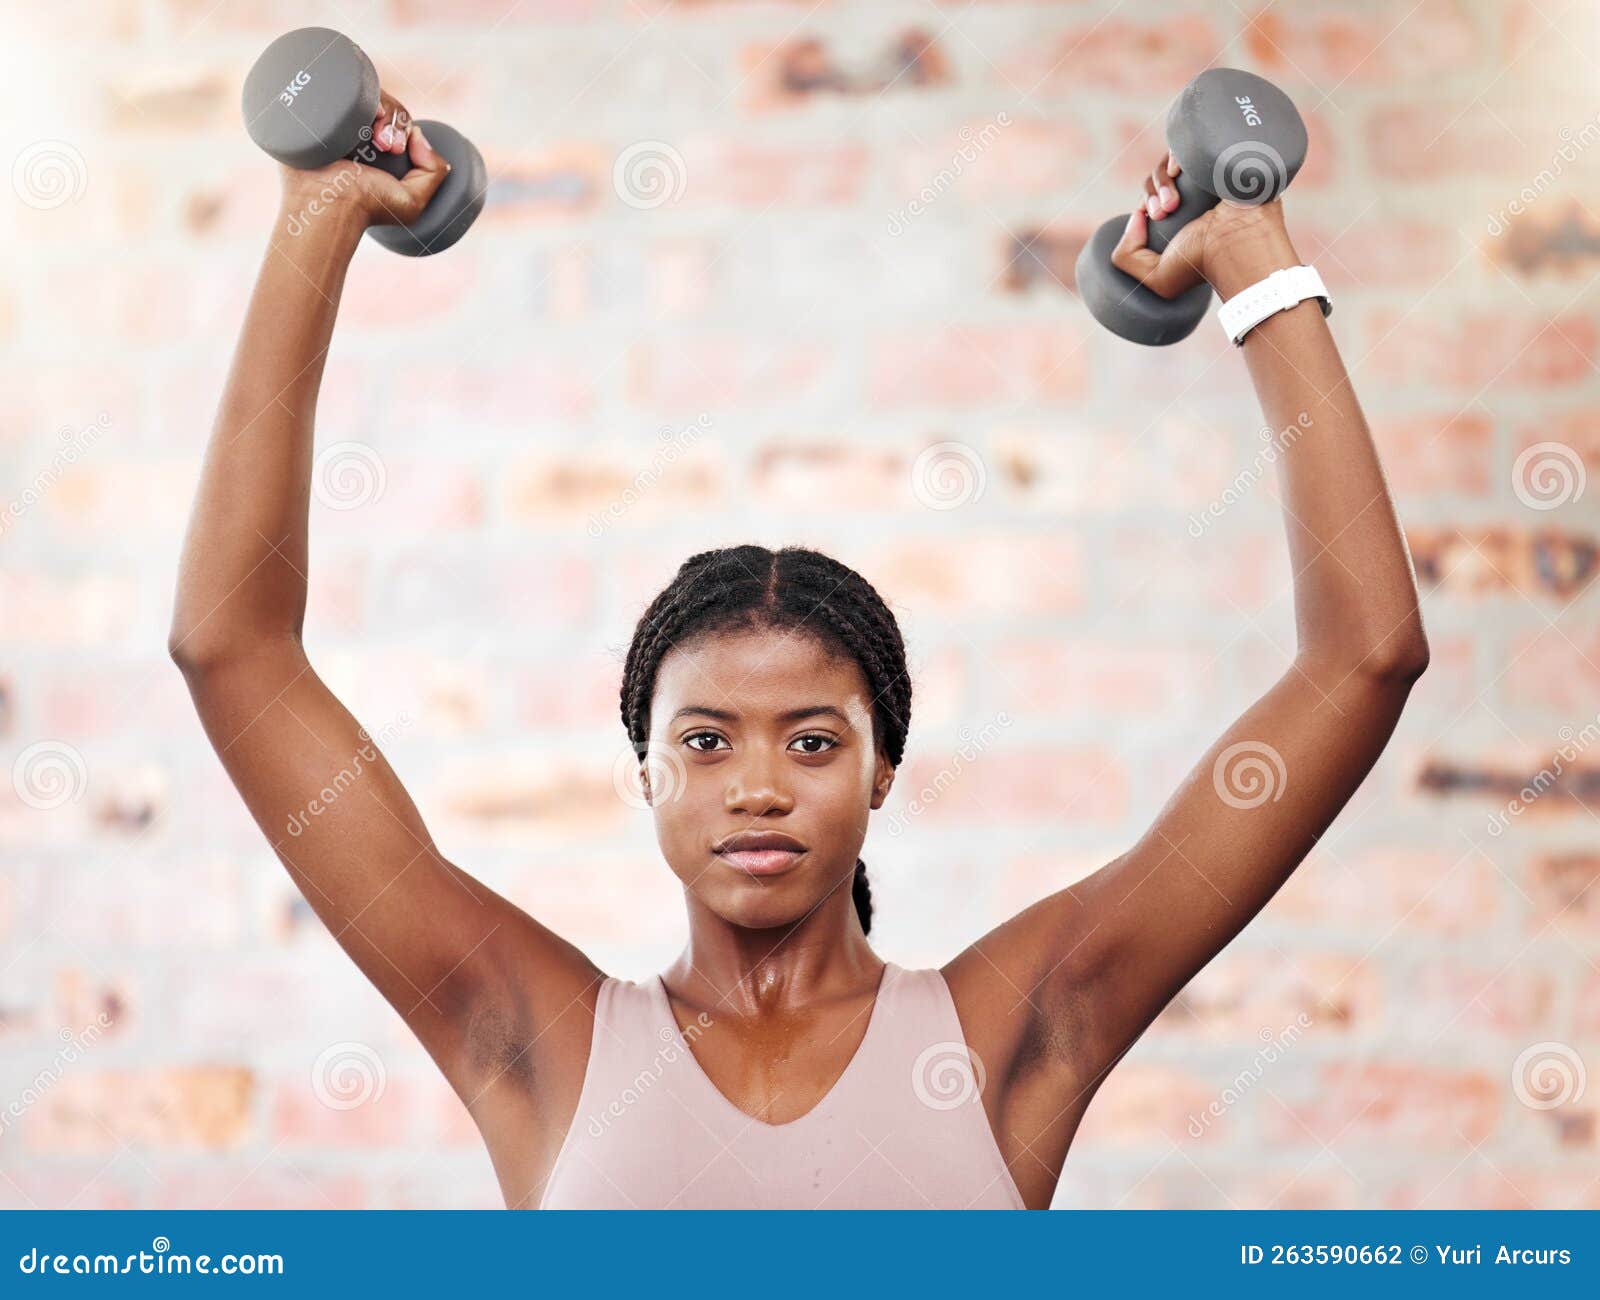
(1277, 292)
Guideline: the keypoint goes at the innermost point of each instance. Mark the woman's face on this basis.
(762, 732)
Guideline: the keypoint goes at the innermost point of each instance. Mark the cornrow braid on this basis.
(737, 588)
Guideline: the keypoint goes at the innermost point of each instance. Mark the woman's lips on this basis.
(762, 862)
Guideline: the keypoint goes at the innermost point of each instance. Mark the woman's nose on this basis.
(754, 790)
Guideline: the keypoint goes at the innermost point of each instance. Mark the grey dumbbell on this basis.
(1236, 136)
(310, 99)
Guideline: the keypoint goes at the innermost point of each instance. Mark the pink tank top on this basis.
(903, 1128)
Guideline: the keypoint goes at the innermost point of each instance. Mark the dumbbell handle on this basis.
(1192, 202)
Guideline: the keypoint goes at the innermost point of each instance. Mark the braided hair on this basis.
(742, 588)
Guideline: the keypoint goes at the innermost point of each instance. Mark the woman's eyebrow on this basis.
(788, 715)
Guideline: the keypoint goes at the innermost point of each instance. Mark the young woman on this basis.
(779, 1061)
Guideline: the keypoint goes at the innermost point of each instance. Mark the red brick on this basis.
(393, 1111)
(735, 174)
(183, 903)
(1442, 892)
(544, 597)
(684, 376)
(1490, 1183)
(397, 495)
(541, 798)
(283, 1184)
(1112, 53)
(1477, 353)
(1394, 1104)
(1175, 461)
(1379, 254)
(976, 365)
(1275, 1000)
(1084, 785)
(434, 288)
(1566, 891)
(83, 1185)
(985, 574)
(1437, 452)
(1075, 675)
(62, 610)
(1548, 564)
(1347, 44)
(1473, 1000)
(1146, 1105)
(1437, 137)
(594, 488)
(1556, 670)
(504, 404)
(562, 182)
(987, 160)
(803, 67)
(198, 1107)
(178, 95)
(813, 475)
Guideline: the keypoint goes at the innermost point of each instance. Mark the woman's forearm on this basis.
(243, 571)
(1355, 588)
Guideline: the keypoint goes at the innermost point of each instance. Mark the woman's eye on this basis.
(702, 735)
(823, 743)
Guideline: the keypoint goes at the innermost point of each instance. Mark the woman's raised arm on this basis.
(1078, 976)
(494, 996)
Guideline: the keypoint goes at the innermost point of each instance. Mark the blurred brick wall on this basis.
(722, 292)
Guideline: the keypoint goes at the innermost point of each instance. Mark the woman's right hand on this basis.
(368, 195)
